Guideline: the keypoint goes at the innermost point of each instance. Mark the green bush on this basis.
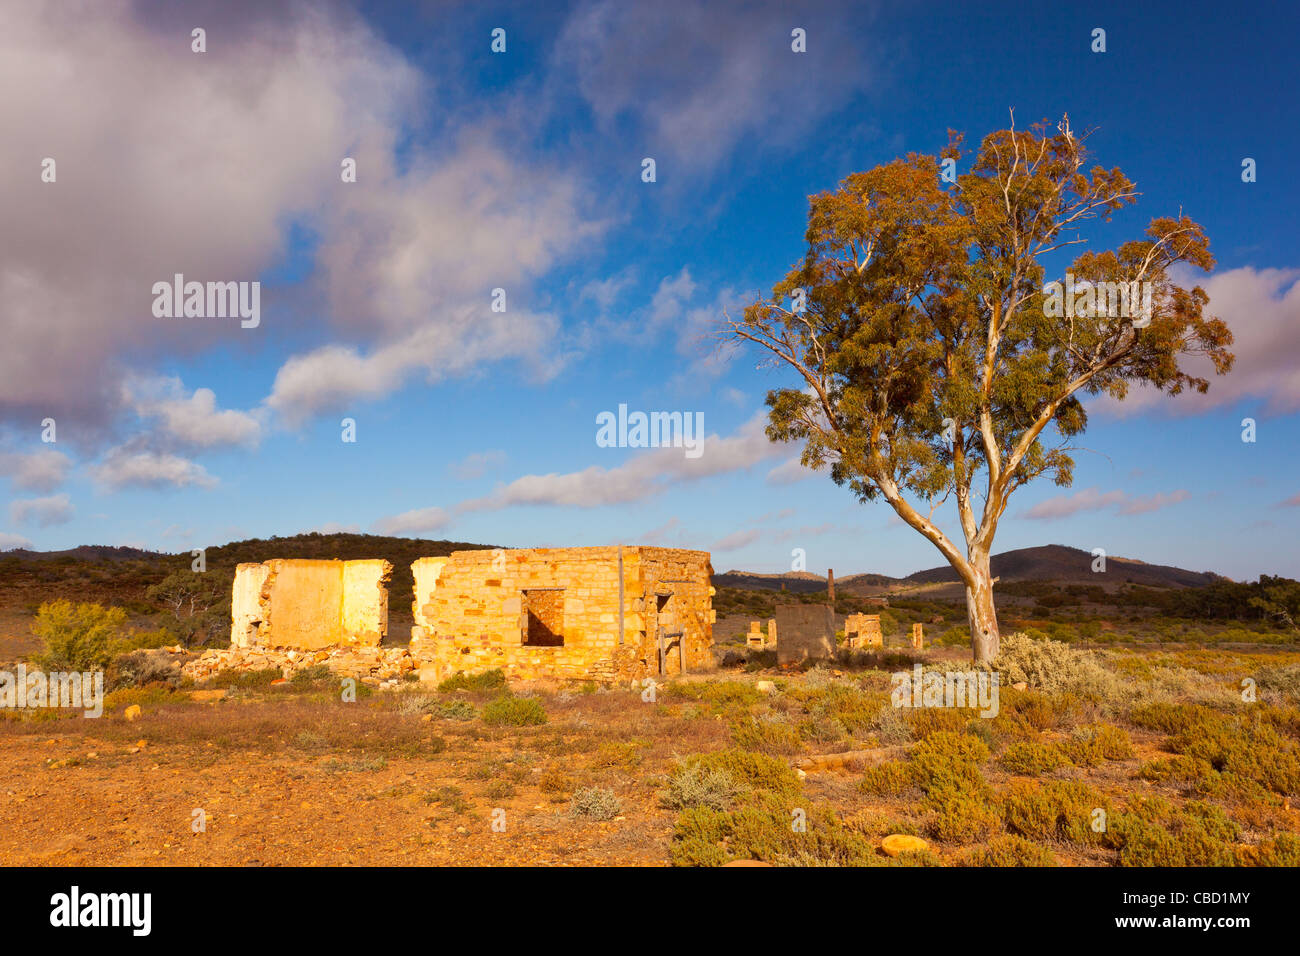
(512, 711)
(1057, 809)
(485, 680)
(754, 771)
(1009, 851)
(1032, 759)
(889, 779)
(695, 786)
(76, 637)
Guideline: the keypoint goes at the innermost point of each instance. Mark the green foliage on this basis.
(1009, 850)
(753, 771)
(765, 735)
(892, 778)
(485, 680)
(1032, 759)
(1055, 810)
(511, 711)
(764, 830)
(76, 637)
(694, 786)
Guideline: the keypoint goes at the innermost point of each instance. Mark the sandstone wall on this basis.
(310, 604)
(472, 611)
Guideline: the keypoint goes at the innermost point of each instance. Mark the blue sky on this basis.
(522, 170)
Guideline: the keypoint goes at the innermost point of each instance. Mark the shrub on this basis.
(312, 674)
(700, 787)
(454, 710)
(76, 637)
(512, 711)
(1089, 746)
(1282, 850)
(890, 779)
(765, 735)
(932, 720)
(140, 668)
(595, 803)
(485, 680)
(1053, 666)
(1031, 759)
(945, 764)
(1058, 809)
(1009, 851)
(762, 830)
(1284, 680)
(961, 817)
(754, 771)
(246, 679)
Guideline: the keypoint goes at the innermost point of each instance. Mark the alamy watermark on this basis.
(652, 430)
(213, 300)
(74, 690)
(922, 688)
(1087, 299)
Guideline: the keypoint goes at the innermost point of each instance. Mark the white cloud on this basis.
(1091, 499)
(478, 464)
(789, 472)
(41, 470)
(697, 80)
(124, 468)
(643, 476)
(419, 521)
(193, 421)
(737, 540)
(10, 541)
(171, 162)
(56, 509)
(1262, 309)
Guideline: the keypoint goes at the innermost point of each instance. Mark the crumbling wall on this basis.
(247, 610)
(804, 631)
(472, 611)
(310, 604)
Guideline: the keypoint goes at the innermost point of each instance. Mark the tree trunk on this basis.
(981, 612)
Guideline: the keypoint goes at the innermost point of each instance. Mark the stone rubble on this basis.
(376, 666)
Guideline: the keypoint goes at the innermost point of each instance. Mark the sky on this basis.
(522, 171)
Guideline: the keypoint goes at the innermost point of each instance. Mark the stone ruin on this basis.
(759, 640)
(603, 614)
(862, 631)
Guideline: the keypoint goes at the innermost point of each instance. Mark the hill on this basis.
(1065, 565)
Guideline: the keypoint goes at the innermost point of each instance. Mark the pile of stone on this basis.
(376, 666)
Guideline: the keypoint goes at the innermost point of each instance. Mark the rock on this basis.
(133, 712)
(826, 763)
(897, 843)
(765, 687)
(142, 743)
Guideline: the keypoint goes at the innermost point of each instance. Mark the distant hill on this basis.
(1051, 562)
(1058, 563)
(800, 582)
(86, 552)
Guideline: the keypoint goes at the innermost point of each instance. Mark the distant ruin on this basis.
(604, 614)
